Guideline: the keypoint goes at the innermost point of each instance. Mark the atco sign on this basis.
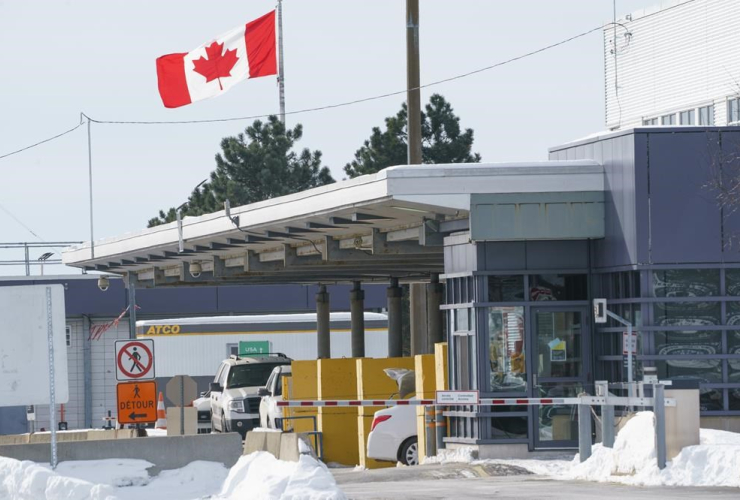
(134, 359)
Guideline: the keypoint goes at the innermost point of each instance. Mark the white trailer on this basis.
(196, 346)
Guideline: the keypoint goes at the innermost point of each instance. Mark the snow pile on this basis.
(114, 471)
(714, 462)
(196, 480)
(260, 475)
(29, 481)
(463, 454)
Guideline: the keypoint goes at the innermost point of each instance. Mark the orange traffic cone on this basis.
(161, 415)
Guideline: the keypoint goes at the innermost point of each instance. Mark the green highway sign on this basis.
(249, 348)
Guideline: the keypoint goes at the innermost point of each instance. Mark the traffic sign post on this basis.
(134, 359)
(137, 402)
(179, 389)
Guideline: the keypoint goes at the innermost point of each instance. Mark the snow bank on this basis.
(260, 475)
(196, 480)
(29, 481)
(714, 462)
(463, 454)
(114, 471)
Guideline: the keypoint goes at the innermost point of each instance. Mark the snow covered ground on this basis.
(714, 462)
(255, 476)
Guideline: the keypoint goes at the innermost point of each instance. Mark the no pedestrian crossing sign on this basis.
(134, 359)
(137, 402)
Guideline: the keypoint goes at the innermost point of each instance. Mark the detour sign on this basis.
(137, 402)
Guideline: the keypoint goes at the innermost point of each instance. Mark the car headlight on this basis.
(236, 405)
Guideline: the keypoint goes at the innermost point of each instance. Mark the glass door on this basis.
(559, 339)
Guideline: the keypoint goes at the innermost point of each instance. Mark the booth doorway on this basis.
(559, 340)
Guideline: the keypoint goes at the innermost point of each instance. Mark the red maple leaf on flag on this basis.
(217, 65)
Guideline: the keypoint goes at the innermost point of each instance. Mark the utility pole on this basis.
(413, 93)
(417, 292)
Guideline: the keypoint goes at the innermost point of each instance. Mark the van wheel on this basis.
(408, 453)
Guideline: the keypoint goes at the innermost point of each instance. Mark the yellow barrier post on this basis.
(373, 383)
(426, 380)
(337, 379)
(303, 386)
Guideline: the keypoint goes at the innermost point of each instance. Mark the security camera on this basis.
(103, 283)
(195, 269)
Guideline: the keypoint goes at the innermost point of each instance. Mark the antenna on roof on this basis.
(227, 208)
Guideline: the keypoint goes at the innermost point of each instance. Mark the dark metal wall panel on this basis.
(557, 255)
(179, 300)
(13, 420)
(82, 296)
(617, 154)
(504, 255)
(262, 299)
(685, 219)
(642, 206)
(730, 165)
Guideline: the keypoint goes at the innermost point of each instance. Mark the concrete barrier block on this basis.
(62, 437)
(165, 453)
(272, 443)
(289, 450)
(255, 441)
(14, 439)
(173, 421)
(101, 434)
(127, 433)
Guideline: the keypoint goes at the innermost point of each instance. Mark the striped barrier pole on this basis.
(583, 400)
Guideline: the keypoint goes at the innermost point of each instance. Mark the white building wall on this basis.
(104, 371)
(676, 59)
(74, 409)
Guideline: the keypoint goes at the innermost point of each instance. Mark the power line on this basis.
(45, 140)
(358, 101)
(347, 103)
(20, 222)
(391, 94)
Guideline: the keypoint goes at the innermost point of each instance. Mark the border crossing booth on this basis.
(521, 248)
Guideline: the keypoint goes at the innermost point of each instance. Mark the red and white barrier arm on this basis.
(361, 402)
(431, 402)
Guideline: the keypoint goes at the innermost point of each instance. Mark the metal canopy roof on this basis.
(369, 228)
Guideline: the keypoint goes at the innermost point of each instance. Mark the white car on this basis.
(235, 398)
(270, 412)
(393, 436)
(203, 406)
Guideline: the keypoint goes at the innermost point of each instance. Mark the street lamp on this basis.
(43, 259)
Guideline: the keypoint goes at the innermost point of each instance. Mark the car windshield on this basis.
(250, 375)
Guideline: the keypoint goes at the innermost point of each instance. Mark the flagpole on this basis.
(281, 70)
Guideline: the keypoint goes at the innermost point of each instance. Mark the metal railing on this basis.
(27, 261)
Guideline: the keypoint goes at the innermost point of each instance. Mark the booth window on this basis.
(558, 287)
(506, 354)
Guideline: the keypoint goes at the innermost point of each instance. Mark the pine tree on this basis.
(255, 167)
(442, 140)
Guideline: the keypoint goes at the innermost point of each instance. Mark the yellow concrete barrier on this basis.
(440, 365)
(303, 386)
(426, 384)
(337, 379)
(373, 383)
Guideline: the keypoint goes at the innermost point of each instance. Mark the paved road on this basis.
(463, 482)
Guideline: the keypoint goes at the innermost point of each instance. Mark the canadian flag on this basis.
(213, 68)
